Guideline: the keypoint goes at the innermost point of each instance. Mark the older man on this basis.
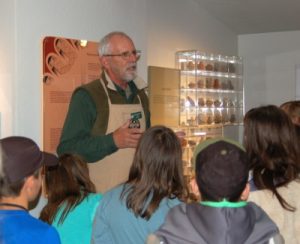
(106, 117)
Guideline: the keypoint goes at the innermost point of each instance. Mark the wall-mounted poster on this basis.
(164, 85)
(67, 64)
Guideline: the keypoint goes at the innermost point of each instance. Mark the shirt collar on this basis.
(224, 204)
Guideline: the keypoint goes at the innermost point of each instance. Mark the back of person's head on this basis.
(221, 168)
(292, 109)
(156, 171)
(21, 158)
(271, 142)
(68, 183)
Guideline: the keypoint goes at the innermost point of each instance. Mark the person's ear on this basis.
(194, 187)
(103, 62)
(32, 187)
(245, 193)
(28, 185)
(296, 120)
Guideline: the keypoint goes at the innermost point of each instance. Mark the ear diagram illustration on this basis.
(61, 61)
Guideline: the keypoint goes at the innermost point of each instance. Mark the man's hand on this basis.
(125, 137)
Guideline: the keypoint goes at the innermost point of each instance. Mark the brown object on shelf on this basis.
(209, 119)
(183, 142)
(190, 65)
(191, 101)
(200, 83)
(201, 102)
(217, 117)
(217, 103)
(209, 102)
(209, 83)
(200, 66)
(216, 84)
(209, 67)
(201, 119)
(191, 143)
(192, 85)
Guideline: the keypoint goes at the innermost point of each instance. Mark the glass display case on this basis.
(211, 96)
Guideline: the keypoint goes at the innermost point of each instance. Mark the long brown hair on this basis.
(66, 185)
(272, 146)
(156, 172)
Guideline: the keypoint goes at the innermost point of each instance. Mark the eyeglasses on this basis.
(126, 55)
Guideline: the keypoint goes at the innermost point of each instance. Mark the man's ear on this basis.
(245, 193)
(28, 184)
(103, 62)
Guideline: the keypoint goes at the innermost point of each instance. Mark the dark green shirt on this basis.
(76, 134)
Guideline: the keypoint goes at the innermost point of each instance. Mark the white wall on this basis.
(158, 27)
(7, 66)
(175, 25)
(270, 61)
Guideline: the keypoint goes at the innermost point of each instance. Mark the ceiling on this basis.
(255, 16)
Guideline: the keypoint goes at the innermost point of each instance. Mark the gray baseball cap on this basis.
(21, 157)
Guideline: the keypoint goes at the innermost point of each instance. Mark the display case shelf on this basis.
(211, 96)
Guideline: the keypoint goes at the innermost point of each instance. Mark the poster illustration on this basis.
(67, 64)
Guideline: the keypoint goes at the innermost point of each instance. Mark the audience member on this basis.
(223, 215)
(20, 184)
(72, 201)
(130, 212)
(272, 146)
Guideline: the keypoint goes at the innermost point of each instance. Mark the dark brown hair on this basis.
(66, 185)
(156, 172)
(272, 146)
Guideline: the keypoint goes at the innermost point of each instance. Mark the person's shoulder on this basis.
(30, 226)
(113, 193)
(36, 223)
(172, 202)
(111, 198)
(39, 227)
(94, 196)
(176, 207)
(88, 87)
(91, 83)
(115, 190)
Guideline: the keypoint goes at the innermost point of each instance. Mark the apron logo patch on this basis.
(135, 120)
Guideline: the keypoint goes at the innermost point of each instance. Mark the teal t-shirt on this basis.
(77, 227)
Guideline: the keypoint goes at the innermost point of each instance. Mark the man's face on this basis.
(121, 68)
